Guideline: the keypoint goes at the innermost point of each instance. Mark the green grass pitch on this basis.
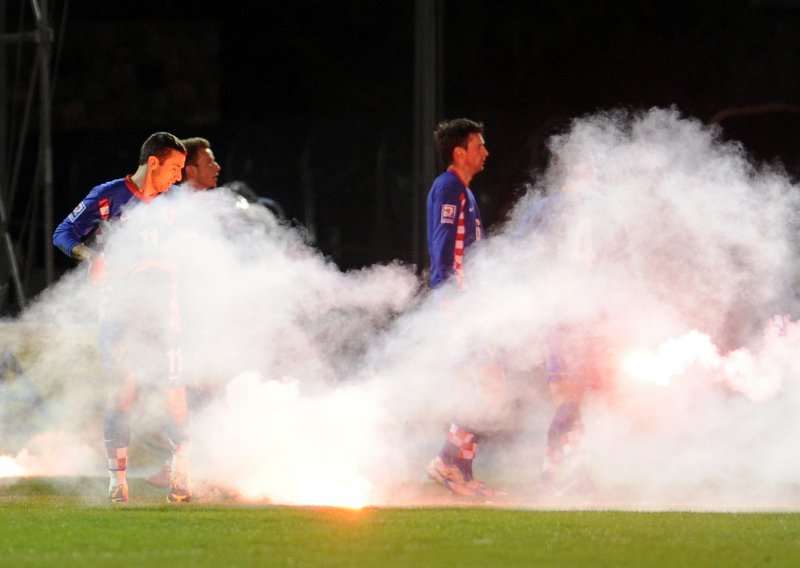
(53, 523)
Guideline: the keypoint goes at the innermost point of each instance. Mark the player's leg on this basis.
(452, 467)
(180, 488)
(459, 450)
(566, 427)
(565, 367)
(117, 435)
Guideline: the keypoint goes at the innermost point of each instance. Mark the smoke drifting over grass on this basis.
(331, 387)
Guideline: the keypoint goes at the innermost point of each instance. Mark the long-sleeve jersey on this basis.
(148, 324)
(443, 210)
(558, 216)
(103, 203)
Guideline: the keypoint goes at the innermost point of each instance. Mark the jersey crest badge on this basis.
(79, 208)
(448, 213)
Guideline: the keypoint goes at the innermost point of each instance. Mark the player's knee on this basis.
(117, 428)
(178, 433)
(566, 416)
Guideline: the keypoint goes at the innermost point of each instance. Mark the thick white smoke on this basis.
(323, 386)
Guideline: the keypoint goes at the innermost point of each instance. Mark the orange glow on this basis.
(313, 491)
(644, 366)
(671, 359)
(350, 496)
(10, 468)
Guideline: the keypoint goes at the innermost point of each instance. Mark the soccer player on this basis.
(80, 236)
(201, 170)
(454, 224)
(200, 173)
(574, 350)
(454, 220)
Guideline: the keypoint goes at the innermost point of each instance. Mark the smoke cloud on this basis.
(314, 385)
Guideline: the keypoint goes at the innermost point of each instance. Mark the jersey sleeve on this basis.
(538, 217)
(443, 210)
(83, 220)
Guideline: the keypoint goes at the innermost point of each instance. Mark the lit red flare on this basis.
(10, 467)
(672, 358)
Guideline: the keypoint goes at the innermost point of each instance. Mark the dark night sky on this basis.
(315, 98)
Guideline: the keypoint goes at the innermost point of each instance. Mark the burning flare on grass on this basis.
(757, 375)
(11, 466)
(49, 453)
(672, 358)
(314, 490)
(312, 456)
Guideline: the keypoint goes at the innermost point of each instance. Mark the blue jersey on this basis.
(151, 331)
(103, 203)
(443, 210)
(543, 214)
(572, 352)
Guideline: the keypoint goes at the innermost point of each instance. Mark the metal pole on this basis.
(8, 244)
(426, 112)
(3, 102)
(12, 257)
(45, 39)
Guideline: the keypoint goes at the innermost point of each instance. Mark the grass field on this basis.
(47, 522)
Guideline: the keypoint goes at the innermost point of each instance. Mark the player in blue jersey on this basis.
(574, 356)
(454, 224)
(453, 217)
(76, 236)
(80, 236)
(574, 350)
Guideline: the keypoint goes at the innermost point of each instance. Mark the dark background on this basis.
(311, 103)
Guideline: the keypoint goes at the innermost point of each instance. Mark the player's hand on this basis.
(81, 252)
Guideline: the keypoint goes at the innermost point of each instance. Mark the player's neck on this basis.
(142, 181)
(463, 174)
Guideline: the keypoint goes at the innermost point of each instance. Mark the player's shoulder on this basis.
(447, 183)
(109, 188)
(112, 186)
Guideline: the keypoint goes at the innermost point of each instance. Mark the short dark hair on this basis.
(452, 134)
(160, 144)
(194, 146)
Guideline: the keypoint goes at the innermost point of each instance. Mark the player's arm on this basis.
(70, 234)
(82, 252)
(443, 210)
